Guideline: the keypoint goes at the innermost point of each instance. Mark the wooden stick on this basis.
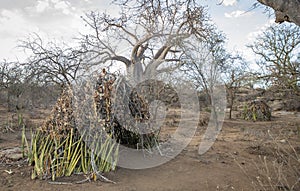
(60, 183)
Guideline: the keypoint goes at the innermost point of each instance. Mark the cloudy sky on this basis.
(60, 19)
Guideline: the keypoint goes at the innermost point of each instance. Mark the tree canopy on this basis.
(278, 51)
(147, 36)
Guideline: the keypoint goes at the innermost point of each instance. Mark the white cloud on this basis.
(42, 6)
(259, 30)
(14, 23)
(237, 13)
(13, 27)
(55, 1)
(229, 2)
(64, 6)
(51, 6)
(252, 36)
(51, 19)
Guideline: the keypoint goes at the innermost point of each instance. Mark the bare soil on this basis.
(232, 163)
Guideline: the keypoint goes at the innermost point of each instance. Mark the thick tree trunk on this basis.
(135, 73)
(138, 72)
(285, 10)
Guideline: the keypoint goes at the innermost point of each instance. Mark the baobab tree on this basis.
(147, 36)
(285, 10)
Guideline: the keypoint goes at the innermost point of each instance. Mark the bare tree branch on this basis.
(285, 10)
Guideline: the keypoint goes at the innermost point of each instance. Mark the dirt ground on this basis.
(233, 162)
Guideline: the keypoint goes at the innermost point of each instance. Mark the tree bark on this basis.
(285, 10)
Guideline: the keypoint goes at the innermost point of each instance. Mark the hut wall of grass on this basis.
(84, 130)
(257, 111)
(124, 111)
(59, 149)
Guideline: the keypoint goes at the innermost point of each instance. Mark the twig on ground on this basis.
(60, 183)
(88, 179)
(103, 178)
(8, 129)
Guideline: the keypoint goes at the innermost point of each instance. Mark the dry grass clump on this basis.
(279, 169)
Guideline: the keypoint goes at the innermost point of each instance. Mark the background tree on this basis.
(4, 74)
(236, 75)
(51, 62)
(209, 64)
(204, 61)
(278, 51)
(11, 83)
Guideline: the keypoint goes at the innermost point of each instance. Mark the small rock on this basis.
(282, 141)
(9, 171)
(15, 156)
(12, 153)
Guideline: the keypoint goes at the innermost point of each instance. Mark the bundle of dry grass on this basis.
(122, 109)
(61, 119)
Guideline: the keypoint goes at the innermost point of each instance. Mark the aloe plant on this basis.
(54, 157)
